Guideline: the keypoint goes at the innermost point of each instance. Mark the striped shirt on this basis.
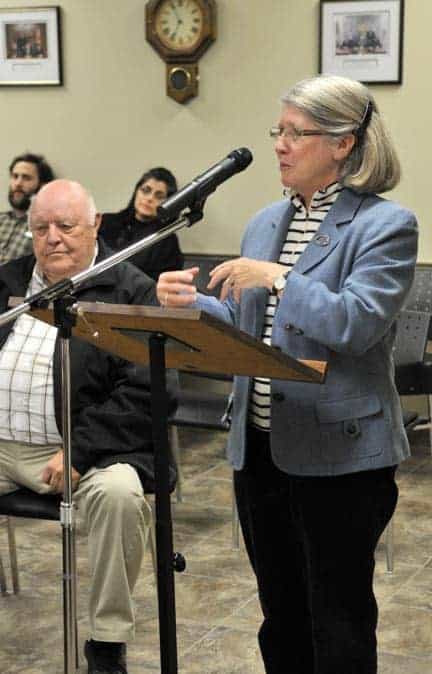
(301, 231)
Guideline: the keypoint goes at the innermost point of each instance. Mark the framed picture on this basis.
(30, 46)
(362, 39)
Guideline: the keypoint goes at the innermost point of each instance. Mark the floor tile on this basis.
(218, 612)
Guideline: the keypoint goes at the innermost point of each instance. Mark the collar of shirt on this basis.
(327, 196)
(18, 218)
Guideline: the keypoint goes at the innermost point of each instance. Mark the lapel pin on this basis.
(321, 239)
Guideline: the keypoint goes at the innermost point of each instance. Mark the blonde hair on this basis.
(341, 106)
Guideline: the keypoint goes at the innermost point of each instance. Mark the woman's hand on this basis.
(176, 288)
(243, 272)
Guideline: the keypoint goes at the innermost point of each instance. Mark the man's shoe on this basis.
(105, 657)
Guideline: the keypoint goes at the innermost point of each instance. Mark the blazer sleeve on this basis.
(376, 268)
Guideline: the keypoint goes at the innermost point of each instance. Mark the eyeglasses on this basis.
(294, 134)
(158, 195)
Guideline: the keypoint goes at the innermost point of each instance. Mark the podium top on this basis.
(196, 341)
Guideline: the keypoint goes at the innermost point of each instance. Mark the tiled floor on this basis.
(217, 608)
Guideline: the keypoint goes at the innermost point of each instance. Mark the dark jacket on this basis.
(110, 397)
(122, 229)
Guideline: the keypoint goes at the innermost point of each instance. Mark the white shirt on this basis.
(27, 412)
(26, 379)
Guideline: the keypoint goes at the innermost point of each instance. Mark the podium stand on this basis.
(190, 340)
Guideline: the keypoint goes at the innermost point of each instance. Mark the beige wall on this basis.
(112, 119)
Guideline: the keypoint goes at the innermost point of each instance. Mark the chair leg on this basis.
(389, 546)
(429, 400)
(175, 449)
(152, 543)
(235, 522)
(3, 586)
(13, 555)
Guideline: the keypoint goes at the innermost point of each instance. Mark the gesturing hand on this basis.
(176, 288)
(243, 272)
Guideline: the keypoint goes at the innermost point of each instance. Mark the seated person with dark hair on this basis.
(139, 220)
(27, 174)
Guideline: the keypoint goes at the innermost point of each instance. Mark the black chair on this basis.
(24, 503)
(197, 408)
(28, 504)
(413, 365)
(206, 262)
(413, 326)
(420, 295)
(415, 378)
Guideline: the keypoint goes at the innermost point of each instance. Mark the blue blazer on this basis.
(339, 305)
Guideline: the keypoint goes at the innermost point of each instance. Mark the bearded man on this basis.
(27, 174)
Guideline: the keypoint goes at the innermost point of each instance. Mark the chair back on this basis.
(206, 263)
(420, 295)
(411, 337)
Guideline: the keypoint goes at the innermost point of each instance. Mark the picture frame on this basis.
(362, 39)
(30, 46)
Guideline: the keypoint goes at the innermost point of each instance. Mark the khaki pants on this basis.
(111, 508)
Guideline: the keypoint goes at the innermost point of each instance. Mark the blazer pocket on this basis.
(352, 428)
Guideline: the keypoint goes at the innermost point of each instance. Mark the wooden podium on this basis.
(197, 341)
(189, 340)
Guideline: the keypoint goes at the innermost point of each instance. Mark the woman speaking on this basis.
(322, 276)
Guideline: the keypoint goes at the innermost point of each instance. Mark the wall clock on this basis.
(181, 31)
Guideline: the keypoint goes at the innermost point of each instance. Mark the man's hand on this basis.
(53, 474)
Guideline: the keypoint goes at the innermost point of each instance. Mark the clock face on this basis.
(179, 24)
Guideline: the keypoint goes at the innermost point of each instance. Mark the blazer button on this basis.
(288, 326)
(352, 428)
(278, 397)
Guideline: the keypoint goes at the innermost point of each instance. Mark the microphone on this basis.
(204, 184)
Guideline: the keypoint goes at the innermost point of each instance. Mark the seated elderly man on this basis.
(110, 401)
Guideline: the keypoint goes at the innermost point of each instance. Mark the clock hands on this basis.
(178, 19)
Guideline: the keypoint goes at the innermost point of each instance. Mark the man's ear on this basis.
(98, 220)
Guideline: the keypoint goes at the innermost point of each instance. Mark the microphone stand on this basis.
(65, 318)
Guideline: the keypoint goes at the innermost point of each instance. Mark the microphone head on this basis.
(242, 157)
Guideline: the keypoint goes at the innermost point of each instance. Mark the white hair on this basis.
(76, 191)
(341, 106)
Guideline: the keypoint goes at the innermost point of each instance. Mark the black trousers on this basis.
(311, 543)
